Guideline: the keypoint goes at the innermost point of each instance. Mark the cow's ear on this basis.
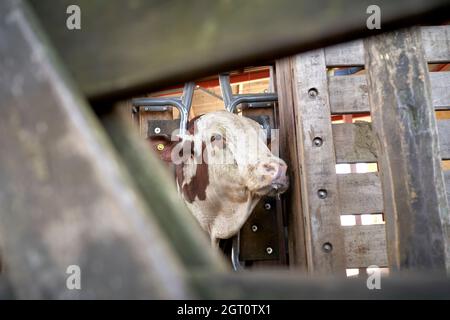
(162, 146)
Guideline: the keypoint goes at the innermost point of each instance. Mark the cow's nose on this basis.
(275, 170)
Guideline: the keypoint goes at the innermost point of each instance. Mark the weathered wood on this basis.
(112, 56)
(354, 142)
(435, 40)
(365, 246)
(444, 138)
(436, 43)
(65, 199)
(360, 193)
(318, 166)
(403, 119)
(348, 94)
(291, 285)
(447, 184)
(289, 152)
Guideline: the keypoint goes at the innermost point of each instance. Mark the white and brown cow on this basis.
(224, 170)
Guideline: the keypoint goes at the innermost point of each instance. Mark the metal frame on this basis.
(183, 104)
(233, 100)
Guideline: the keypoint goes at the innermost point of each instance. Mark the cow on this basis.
(223, 167)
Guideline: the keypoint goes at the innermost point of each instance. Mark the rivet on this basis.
(312, 93)
(322, 193)
(254, 228)
(269, 250)
(267, 206)
(327, 247)
(157, 130)
(160, 147)
(317, 141)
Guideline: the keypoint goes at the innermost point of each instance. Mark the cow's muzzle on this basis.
(275, 178)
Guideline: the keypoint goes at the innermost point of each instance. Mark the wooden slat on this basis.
(111, 55)
(360, 193)
(65, 197)
(348, 94)
(436, 42)
(354, 142)
(444, 138)
(318, 164)
(403, 118)
(447, 184)
(365, 246)
(289, 152)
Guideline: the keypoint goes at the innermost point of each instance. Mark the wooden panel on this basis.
(213, 39)
(65, 197)
(289, 147)
(360, 193)
(354, 142)
(348, 94)
(365, 246)
(317, 161)
(444, 138)
(447, 184)
(436, 42)
(403, 118)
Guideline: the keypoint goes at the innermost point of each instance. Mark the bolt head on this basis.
(312, 93)
(254, 228)
(269, 250)
(157, 130)
(327, 247)
(317, 142)
(267, 206)
(322, 193)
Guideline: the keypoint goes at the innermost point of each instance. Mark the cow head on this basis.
(223, 168)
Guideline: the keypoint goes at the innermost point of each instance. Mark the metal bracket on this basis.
(233, 100)
(183, 104)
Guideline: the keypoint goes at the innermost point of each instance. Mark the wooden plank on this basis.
(129, 63)
(444, 138)
(348, 94)
(354, 142)
(447, 184)
(289, 152)
(365, 246)
(436, 43)
(360, 193)
(318, 172)
(65, 198)
(281, 284)
(403, 118)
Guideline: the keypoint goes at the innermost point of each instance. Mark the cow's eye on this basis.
(216, 137)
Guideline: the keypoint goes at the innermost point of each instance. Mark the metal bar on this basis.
(144, 50)
(183, 104)
(231, 101)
